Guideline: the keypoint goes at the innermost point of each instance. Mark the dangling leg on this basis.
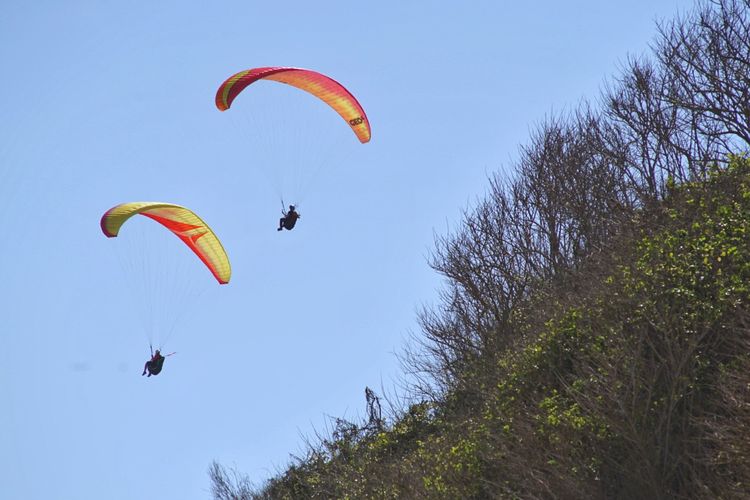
(281, 223)
(145, 367)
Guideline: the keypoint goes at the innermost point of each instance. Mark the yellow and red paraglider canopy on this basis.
(183, 223)
(321, 86)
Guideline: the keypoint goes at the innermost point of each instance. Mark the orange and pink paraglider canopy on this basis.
(321, 86)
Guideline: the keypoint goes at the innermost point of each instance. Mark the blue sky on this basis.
(106, 102)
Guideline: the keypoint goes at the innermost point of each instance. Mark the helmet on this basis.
(291, 207)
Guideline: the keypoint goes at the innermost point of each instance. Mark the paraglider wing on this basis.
(321, 86)
(183, 223)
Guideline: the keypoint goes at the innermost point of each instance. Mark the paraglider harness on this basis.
(156, 363)
(289, 219)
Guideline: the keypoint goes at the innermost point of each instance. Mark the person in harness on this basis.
(289, 219)
(154, 365)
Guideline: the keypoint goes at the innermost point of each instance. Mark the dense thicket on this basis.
(591, 340)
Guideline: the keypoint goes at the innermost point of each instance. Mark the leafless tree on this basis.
(706, 57)
(229, 484)
(374, 411)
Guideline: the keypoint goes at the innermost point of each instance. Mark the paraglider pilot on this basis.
(289, 219)
(154, 365)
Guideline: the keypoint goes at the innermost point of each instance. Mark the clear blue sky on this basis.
(105, 102)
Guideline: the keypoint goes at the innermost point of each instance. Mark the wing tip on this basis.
(103, 224)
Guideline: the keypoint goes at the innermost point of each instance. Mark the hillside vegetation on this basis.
(593, 335)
